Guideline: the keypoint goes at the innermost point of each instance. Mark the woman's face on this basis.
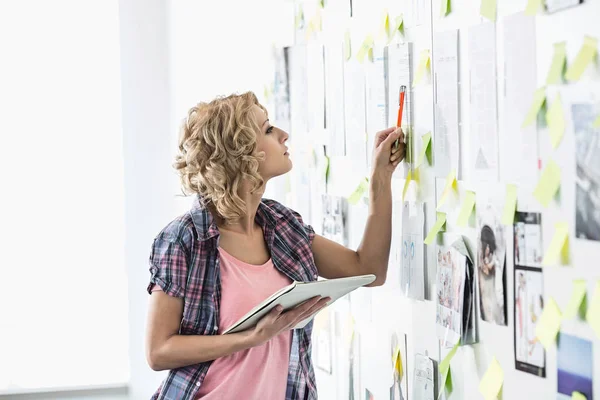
(271, 142)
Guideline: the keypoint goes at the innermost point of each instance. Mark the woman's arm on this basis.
(334, 260)
(167, 349)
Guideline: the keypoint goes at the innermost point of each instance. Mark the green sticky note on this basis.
(424, 61)
(585, 56)
(439, 225)
(559, 246)
(510, 205)
(559, 62)
(596, 123)
(425, 149)
(406, 183)
(445, 8)
(327, 166)
(578, 396)
(448, 188)
(399, 24)
(466, 209)
(533, 6)
(358, 193)
(367, 45)
(577, 302)
(548, 184)
(492, 381)
(555, 119)
(539, 98)
(347, 46)
(593, 311)
(445, 364)
(488, 9)
(548, 325)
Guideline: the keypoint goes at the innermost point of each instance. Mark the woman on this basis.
(233, 249)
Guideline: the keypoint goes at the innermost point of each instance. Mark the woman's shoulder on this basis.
(180, 230)
(283, 211)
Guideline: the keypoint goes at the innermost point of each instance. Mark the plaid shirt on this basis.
(184, 262)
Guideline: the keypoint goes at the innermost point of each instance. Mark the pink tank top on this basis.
(259, 372)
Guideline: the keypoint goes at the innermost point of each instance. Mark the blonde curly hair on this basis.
(217, 152)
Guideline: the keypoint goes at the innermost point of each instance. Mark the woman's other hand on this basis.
(277, 321)
(386, 156)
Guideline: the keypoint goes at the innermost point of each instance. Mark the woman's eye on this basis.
(270, 129)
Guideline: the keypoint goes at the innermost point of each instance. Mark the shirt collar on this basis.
(207, 228)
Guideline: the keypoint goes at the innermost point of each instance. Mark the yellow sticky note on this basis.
(510, 205)
(492, 381)
(578, 396)
(406, 183)
(444, 369)
(533, 6)
(577, 301)
(446, 8)
(385, 26)
(488, 9)
(466, 209)
(596, 123)
(397, 361)
(559, 60)
(347, 46)
(425, 149)
(548, 325)
(539, 98)
(548, 184)
(367, 45)
(424, 62)
(399, 24)
(559, 246)
(451, 185)
(593, 311)
(439, 225)
(555, 119)
(358, 193)
(585, 56)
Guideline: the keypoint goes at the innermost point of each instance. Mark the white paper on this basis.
(334, 99)
(483, 125)
(423, 380)
(446, 132)
(298, 95)
(355, 116)
(518, 149)
(316, 91)
(376, 95)
(412, 279)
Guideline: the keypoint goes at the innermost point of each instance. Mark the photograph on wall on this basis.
(528, 239)
(412, 275)
(587, 182)
(424, 378)
(399, 389)
(575, 360)
(491, 251)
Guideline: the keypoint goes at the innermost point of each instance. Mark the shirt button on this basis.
(197, 383)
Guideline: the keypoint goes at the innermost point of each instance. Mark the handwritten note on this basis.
(424, 65)
(548, 184)
(539, 98)
(466, 209)
(358, 193)
(585, 56)
(510, 205)
(492, 381)
(577, 302)
(488, 9)
(555, 119)
(451, 185)
(440, 225)
(366, 48)
(559, 246)
(548, 324)
(593, 311)
(425, 149)
(559, 61)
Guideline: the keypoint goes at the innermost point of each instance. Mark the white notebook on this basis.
(298, 292)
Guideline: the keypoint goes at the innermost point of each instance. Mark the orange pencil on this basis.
(400, 109)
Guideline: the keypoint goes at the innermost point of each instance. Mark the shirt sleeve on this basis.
(168, 267)
(307, 228)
